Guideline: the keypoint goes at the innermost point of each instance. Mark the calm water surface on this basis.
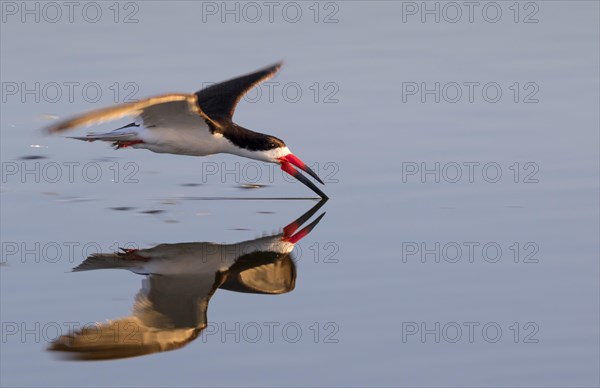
(459, 246)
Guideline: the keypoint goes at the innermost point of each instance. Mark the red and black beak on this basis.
(289, 231)
(287, 162)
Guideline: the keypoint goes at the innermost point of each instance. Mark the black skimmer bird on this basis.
(196, 124)
(170, 310)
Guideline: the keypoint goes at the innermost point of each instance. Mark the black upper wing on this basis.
(219, 101)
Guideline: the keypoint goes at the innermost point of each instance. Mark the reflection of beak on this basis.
(304, 232)
(291, 159)
(289, 231)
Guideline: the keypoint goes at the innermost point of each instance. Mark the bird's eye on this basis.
(272, 145)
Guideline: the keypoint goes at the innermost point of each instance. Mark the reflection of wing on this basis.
(171, 308)
(125, 337)
(175, 301)
(169, 312)
(262, 273)
(169, 110)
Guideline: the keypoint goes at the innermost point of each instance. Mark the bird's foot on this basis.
(131, 254)
(125, 144)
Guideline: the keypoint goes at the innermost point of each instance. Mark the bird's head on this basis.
(276, 151)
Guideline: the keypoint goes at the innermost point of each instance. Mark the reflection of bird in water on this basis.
(196, 124)
(170, 309)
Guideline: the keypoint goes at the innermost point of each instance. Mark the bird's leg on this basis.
(131, 254)
(125, 144)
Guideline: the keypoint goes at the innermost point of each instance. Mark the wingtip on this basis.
(47, 131)
(54, 129)
(274, 68)
(270, 69)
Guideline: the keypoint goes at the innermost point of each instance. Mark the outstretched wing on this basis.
(168, 110)
(169, 312)
(125, 337)
(219, 101)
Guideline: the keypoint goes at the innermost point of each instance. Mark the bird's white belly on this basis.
(183, 141)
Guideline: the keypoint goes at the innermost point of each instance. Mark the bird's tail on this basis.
(106, 261)
(121, 137)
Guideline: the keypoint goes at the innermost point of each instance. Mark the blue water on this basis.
(459, 246)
